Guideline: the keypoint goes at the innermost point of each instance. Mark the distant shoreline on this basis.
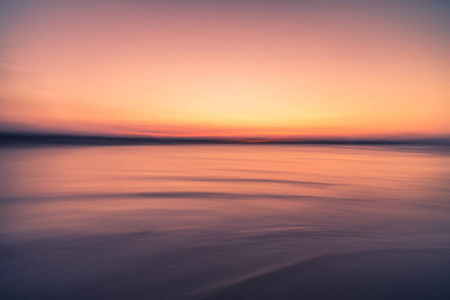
(30, 139)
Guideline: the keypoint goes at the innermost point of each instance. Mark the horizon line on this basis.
(58, 138)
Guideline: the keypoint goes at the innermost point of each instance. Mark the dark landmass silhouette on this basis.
(69, 139)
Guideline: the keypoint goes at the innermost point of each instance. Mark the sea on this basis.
(238, 221)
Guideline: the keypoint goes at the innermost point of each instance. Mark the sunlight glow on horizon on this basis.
(218, 70)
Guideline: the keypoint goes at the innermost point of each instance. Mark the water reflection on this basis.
(225, 222)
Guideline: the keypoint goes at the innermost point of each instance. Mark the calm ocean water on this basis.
(225, 222)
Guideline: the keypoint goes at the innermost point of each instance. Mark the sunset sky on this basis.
(226, 68)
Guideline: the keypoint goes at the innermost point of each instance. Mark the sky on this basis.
(226, 68)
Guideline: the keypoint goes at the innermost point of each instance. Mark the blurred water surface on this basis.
(225, 222)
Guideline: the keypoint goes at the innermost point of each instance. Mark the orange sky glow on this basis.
(199, 68)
